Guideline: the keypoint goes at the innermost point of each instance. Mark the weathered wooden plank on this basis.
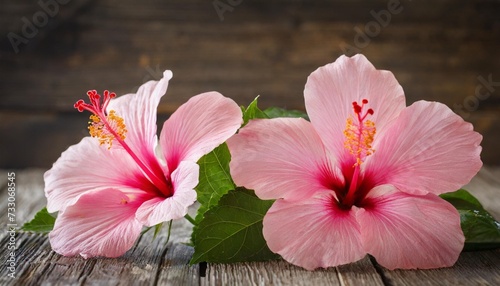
(261, 51)
(276, 67)
(472, 268)
(29, 200)
(38, 139)
(283, 273)
(449, 13)
(359, 273)
(53, 91)
(29, 197)
(3, 188)
(174, 268)
(3, 180)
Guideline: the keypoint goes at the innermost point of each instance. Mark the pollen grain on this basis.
(107, 130)
(360, 133)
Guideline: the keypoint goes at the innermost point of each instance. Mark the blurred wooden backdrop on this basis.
(52, 52)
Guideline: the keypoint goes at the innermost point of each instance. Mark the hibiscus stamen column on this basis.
(359, 134)
(108, 127)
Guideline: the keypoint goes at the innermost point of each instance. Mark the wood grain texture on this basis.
(280, 272)
(265, 273)
(152, 262)
(437, 51)
(29, 197)
(472, 268)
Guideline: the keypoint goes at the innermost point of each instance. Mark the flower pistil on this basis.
(359, 134)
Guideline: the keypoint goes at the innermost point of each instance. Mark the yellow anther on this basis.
(107, 130)
(359, 135)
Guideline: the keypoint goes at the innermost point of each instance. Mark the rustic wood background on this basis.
(440, 51)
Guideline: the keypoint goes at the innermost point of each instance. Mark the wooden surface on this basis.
(437, 51)
(152, 262)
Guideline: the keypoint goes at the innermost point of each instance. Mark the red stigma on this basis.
(93, 94)
(95, 105)
(79, 105)
(356, 107)
(108, 94)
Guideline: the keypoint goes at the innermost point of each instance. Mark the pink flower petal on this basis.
(281, 158)
(427, 149)
(331, 90)
(407, 231)
(157, 210)
(139, 111)
(202, 123)
(313, 233)
(87, 166)
(139, 114)
(101, 223)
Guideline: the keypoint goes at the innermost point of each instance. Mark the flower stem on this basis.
(169, 230)
(190, 219)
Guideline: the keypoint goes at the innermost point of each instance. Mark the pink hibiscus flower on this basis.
(107, 187)
(363, 176)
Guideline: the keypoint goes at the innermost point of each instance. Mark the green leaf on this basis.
(252, 112)
(42, 223)
(275, 112)
(232, 230)
(462, 200)
(215, 179)
(481, 230)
